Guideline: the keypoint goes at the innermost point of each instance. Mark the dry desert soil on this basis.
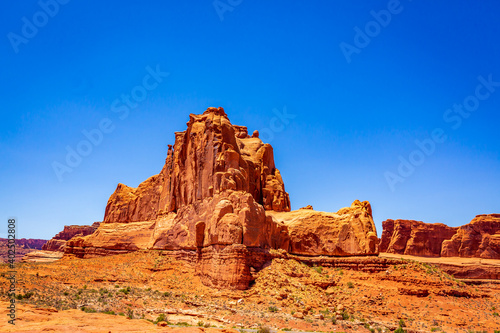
(146, 291)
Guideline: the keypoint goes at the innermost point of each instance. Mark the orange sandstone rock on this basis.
(58, 242)
(480, 238)
(220, 203)
(350, 231)
(414, 237)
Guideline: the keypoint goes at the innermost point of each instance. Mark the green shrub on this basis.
(161, 317)
(273, 309)
(88, 309)
(350, 284)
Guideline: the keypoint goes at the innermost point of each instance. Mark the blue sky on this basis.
(351, 119)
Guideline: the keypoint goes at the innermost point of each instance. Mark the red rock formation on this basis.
(23, 246)
(350, 231)
(480, 238)
(58, 242)
(414, 237)
(209, 206)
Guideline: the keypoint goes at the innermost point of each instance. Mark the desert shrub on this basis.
(126, 291)
(402, 323)
(161, 317)
(345, 315)
(88, 309)
(273, 309)
(350, 284)
(318, 269)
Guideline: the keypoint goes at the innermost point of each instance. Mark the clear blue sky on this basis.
(353, 120)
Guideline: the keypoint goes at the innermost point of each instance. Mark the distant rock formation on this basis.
(42, 256)
(414, 237)
(23, 246)
(58, 242)
(480, 238)
(220, 203)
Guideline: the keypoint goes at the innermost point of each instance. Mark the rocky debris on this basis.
(42, 256)
(480, 238)
(220, 203)
(414, 237)
(58, 242)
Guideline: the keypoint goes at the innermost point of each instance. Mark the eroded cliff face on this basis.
(414, 237)
(210, 157)
(220, 203)
(58, 242)
(480, 238)
(350, 231)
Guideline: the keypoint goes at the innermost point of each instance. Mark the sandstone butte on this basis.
(220, 203)
(58, 242)
(480, 238)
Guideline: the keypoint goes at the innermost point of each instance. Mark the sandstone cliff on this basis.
(349, 231)
(480, 238)
(58, 242)
(23, 246)
(220, 203)
(414, 237)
